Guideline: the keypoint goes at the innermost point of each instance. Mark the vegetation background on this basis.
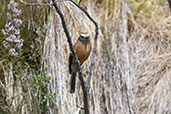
(132, 71)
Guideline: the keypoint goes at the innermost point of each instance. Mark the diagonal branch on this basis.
(75, 58)
(95, 44)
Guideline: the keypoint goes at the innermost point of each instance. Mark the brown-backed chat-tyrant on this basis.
(83, 49)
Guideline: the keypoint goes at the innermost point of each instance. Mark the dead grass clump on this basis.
(133, 61)
(151, 58)
(149, 88)
(142, 55)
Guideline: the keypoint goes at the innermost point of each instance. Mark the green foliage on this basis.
(40, 84)
(34, 93)
(76, 1)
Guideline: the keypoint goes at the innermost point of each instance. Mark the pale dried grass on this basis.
(139, 57)
(151, 58)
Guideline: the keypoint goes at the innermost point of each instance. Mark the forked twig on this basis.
(85, 98)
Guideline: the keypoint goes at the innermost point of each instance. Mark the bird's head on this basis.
(85, 37)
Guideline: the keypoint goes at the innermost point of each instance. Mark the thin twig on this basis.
(36, 4)
(86, 109)
(41, 4)
(95, 44)
(80, 2)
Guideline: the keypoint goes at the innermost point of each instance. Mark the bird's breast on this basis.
(83, 51)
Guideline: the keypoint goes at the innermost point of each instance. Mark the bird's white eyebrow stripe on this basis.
(84, 35)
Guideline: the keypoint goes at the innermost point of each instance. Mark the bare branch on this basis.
(36, 4)
(85, 98)
(41, 4)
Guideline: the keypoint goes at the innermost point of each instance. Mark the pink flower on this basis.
(20, 43)
(9, 39)
(12, 4)
(18, 22)
(16, 11)
(9, 15)
(12, 51)
(17, 32)
(12, 38)
(6, 44)
(16, 54)
(4, 32)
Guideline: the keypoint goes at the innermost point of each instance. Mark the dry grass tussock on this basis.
(139, 45)
(152, 64)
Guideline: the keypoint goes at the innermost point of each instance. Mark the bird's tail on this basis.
(72, 82)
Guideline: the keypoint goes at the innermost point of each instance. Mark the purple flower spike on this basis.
(12, 4)
(12, 30)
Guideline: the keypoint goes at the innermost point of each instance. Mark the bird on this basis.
(83, 48)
